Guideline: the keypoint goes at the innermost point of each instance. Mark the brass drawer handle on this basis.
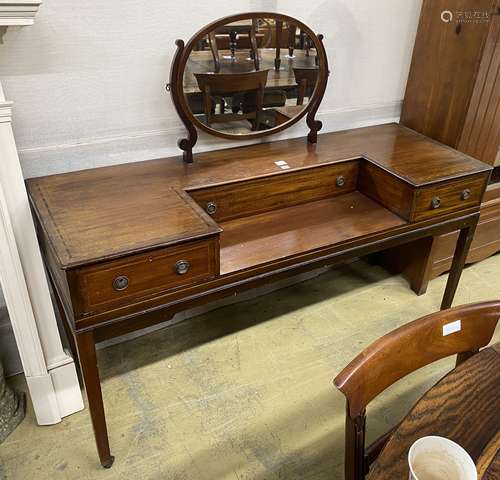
(340, 181)
(120, 283)
(436, 202)
(211, 208)
(466, 194)
(182, 267)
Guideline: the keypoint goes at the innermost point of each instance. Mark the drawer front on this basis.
(250, 197)
(448, 197)
(142, 276)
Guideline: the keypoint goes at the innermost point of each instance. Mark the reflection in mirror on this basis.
(250, 75)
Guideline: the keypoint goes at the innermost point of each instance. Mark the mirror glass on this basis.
(251, 75)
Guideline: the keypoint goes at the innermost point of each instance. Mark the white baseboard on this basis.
(135, 146)
(44, 399)
(68, 394)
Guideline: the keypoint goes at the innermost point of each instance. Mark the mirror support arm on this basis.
(175, 87)
(313, 124)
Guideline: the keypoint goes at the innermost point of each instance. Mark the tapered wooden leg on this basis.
(461, 251)
(277, 60)
(88, 364)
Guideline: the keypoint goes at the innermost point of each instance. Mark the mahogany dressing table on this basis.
(129, 246)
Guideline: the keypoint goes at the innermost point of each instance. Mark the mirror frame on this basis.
(176, 85)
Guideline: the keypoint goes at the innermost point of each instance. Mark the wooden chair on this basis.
(227, 37)
(221, 85)
(399, 353)
(306, 79)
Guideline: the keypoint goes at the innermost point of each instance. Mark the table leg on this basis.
(292, 29)
(277, 60)
(88, 364)
(461, 251)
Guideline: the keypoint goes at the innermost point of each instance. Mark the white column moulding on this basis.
(17, 14)
(49, 369)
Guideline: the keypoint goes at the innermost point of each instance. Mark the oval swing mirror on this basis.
(248, 75)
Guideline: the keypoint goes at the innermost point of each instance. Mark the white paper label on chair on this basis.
(280, 163)
(452, 327)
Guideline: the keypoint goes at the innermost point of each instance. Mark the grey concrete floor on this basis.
(245, 391)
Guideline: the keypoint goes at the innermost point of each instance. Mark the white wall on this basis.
(88, 78)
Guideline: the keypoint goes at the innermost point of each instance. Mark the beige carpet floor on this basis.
(243, 392)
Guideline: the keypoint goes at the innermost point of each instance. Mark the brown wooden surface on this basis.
(480, 136)
(202, 62)
(486, 240)
(452, 96)
(258, 239)
(148, 274)
(443, 69)
(249, 197)
(389, 190)
(88, 363)
(463, 407)
(450, 197)
(422, 261)
(400, 352)
(102, 223)
(192, 122)
(134, 207)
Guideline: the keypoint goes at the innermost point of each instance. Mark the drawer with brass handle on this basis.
(448, 197)
(136, 277)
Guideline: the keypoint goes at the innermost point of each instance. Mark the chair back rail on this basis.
(413, 346)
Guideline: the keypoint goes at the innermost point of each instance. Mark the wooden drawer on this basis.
(250, 197)
(448, 197)
(142, 276)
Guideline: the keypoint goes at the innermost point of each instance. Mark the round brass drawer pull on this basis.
(436, 202)
(211, 208)
(120, 283)
(340, 181)
(465, 194)
(182, 267)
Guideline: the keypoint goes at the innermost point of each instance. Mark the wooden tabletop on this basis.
(202, 62)
(94, 214)
(464, 406)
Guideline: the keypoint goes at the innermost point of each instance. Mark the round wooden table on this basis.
(464, 406)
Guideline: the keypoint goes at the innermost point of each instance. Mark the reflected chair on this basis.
(221, 85)
(396, 355)
(227, 36)
(306, 79)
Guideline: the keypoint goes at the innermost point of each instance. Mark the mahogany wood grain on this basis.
(450, 195)
(88, 364)
(148, 274)
(270, 192)
(443, 69)
(97, 224)
(137, 204)
(463, 407)
(399, 353)
(453, 95)
(426, 259)
(485, 243)
(259, 239)
(389, 190)
(480, 136)
(92, 221)
(181, 58)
